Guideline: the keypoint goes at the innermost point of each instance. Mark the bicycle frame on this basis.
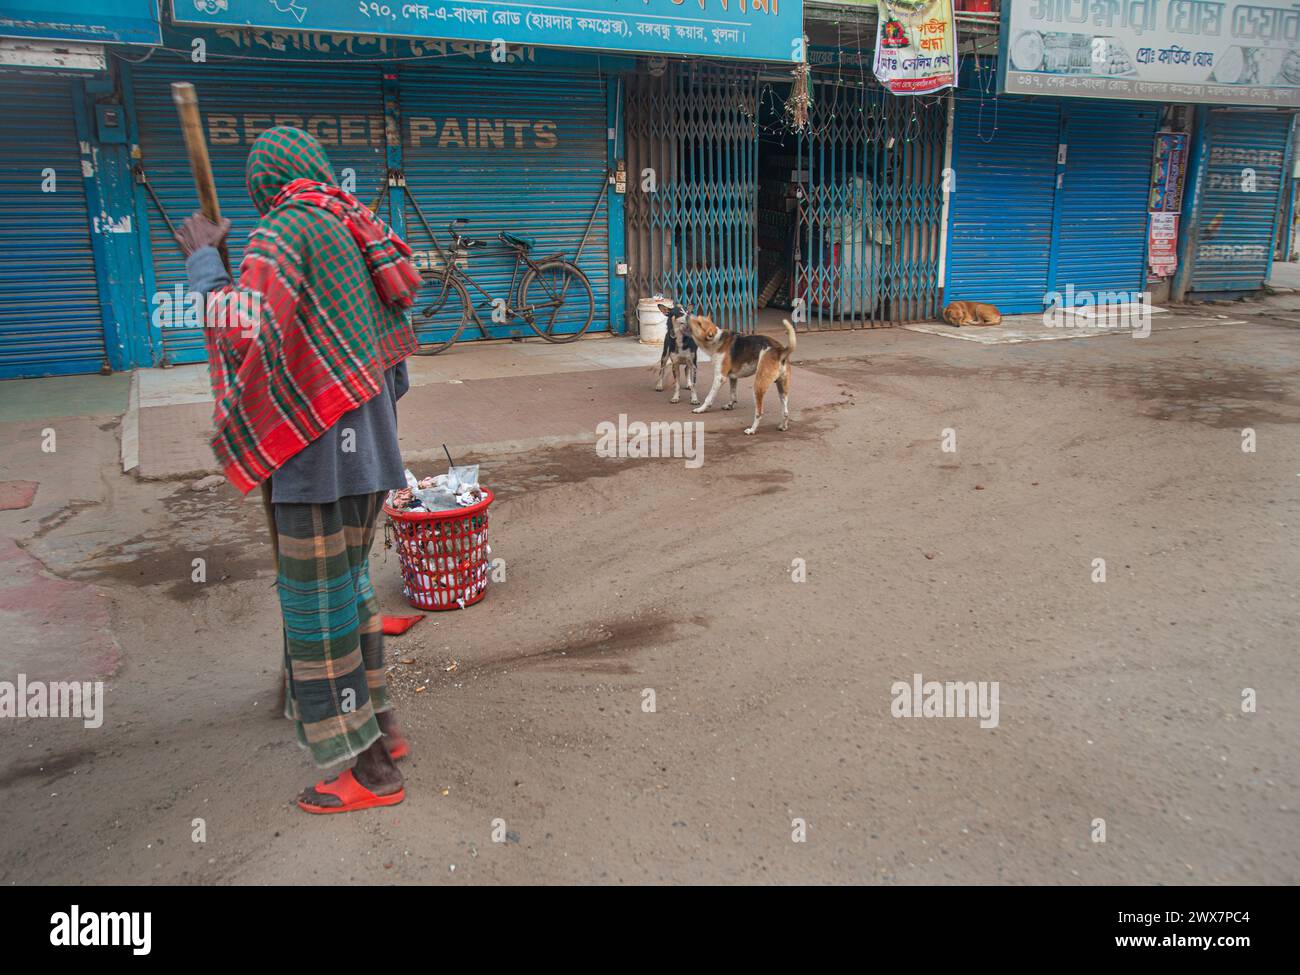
(452, 271)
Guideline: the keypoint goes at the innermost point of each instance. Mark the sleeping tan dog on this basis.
(961, 313)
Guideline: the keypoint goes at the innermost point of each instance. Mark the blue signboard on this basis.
(268, 44)
(768, 30)
(96, 21)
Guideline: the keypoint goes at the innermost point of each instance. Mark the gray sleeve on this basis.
(401, 380)
(206, 270)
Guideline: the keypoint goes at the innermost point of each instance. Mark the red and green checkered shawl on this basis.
(316, 318)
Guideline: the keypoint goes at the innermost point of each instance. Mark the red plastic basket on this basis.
(443, 554)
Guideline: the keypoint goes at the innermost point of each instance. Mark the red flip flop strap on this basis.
(397, 625)
(346, 788)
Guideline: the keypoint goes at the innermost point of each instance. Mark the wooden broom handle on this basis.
(187, 107)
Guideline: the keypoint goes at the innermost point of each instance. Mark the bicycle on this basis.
(537, 298)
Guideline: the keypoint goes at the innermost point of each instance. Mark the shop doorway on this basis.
(870, 205)
(692, 154)
(780, 191)
(731, 209)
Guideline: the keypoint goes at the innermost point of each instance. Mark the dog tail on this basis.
(789, 333)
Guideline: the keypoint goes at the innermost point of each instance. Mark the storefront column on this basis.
(1187, 232)
(614, 198)
(115, 230)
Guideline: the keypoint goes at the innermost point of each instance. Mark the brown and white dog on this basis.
(961, 313)
(737, 356)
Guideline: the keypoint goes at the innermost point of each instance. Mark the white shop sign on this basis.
(1207, 51)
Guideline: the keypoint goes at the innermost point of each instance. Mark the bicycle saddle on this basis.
(525, 243)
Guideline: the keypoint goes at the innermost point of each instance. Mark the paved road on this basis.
(1119, 703)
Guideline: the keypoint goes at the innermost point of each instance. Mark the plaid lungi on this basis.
(333, 630)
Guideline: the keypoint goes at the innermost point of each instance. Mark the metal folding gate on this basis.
(870, 223)
(1237, 201)
(51, 319)
(691, 205)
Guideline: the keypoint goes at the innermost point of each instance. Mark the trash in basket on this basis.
(443, 553)
(444, 492)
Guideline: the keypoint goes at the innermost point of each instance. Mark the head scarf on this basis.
(289, 165)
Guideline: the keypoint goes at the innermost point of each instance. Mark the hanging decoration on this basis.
(797, 105)
(916, 45)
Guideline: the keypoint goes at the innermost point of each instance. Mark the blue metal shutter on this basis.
(1103, 201)
(506, 148)
(51, 320)
(1000, 210)
(1234, 226)
(342, 105)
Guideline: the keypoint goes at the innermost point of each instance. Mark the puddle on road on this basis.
(227, 533)
(230, 534)
(527, 472)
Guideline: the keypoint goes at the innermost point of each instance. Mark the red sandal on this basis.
(397, 625)
(353, 794)
(397, 747)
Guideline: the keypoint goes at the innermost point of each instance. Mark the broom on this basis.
(187, 107)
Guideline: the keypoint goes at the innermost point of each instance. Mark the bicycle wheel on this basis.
(557, 301)
(440, 314)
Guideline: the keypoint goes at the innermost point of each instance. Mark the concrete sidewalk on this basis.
(513, 393)
(1285, 276)
(500, 394)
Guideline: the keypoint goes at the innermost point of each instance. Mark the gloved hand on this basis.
(198, 232)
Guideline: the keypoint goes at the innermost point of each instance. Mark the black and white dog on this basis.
(680, 354)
